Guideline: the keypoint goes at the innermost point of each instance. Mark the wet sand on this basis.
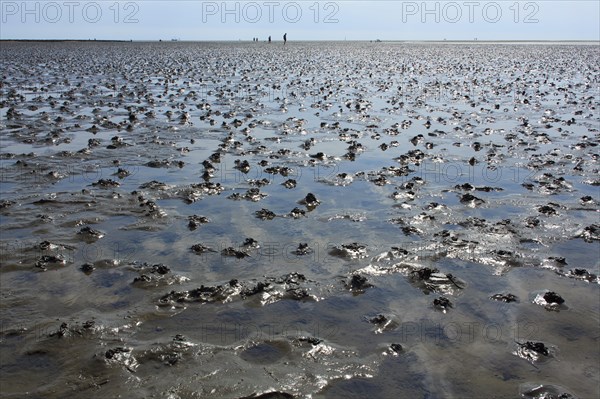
(191, 220)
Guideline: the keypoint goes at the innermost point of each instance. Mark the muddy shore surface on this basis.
(191, 220)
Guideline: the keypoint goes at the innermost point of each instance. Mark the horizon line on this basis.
(301, 41)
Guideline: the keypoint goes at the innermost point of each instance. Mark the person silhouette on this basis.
(284, 38)
(269, 39)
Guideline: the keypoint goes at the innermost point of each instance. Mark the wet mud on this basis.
(236, 220)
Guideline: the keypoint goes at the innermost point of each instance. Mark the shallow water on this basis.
(499, 192)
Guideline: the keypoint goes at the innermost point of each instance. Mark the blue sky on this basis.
(302, 20)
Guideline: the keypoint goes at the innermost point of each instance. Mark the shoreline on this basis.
(310, 41)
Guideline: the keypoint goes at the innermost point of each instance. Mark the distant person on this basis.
(269, 39)
(284, 38)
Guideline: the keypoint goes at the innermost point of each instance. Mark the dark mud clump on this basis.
(552, 298)
(201, 248)
(431, 280)
(87, 268)
(382, 323)
(545, 391)
(394, 350)
(47, 261)
(582, 274)
(270, 395)
(303, 249)
(196, 221)
(350, 251)
(265, 214)
(508, 298)
(219, 293)
(292, 286)
(534, 352)
(89, 234)
(550, 301)
(358, 283)
(297, 213)
(231, 251)
(591, 233)
(310, 201)
(290, 183)
(443, 304)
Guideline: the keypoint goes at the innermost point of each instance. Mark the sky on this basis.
(301, 20)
